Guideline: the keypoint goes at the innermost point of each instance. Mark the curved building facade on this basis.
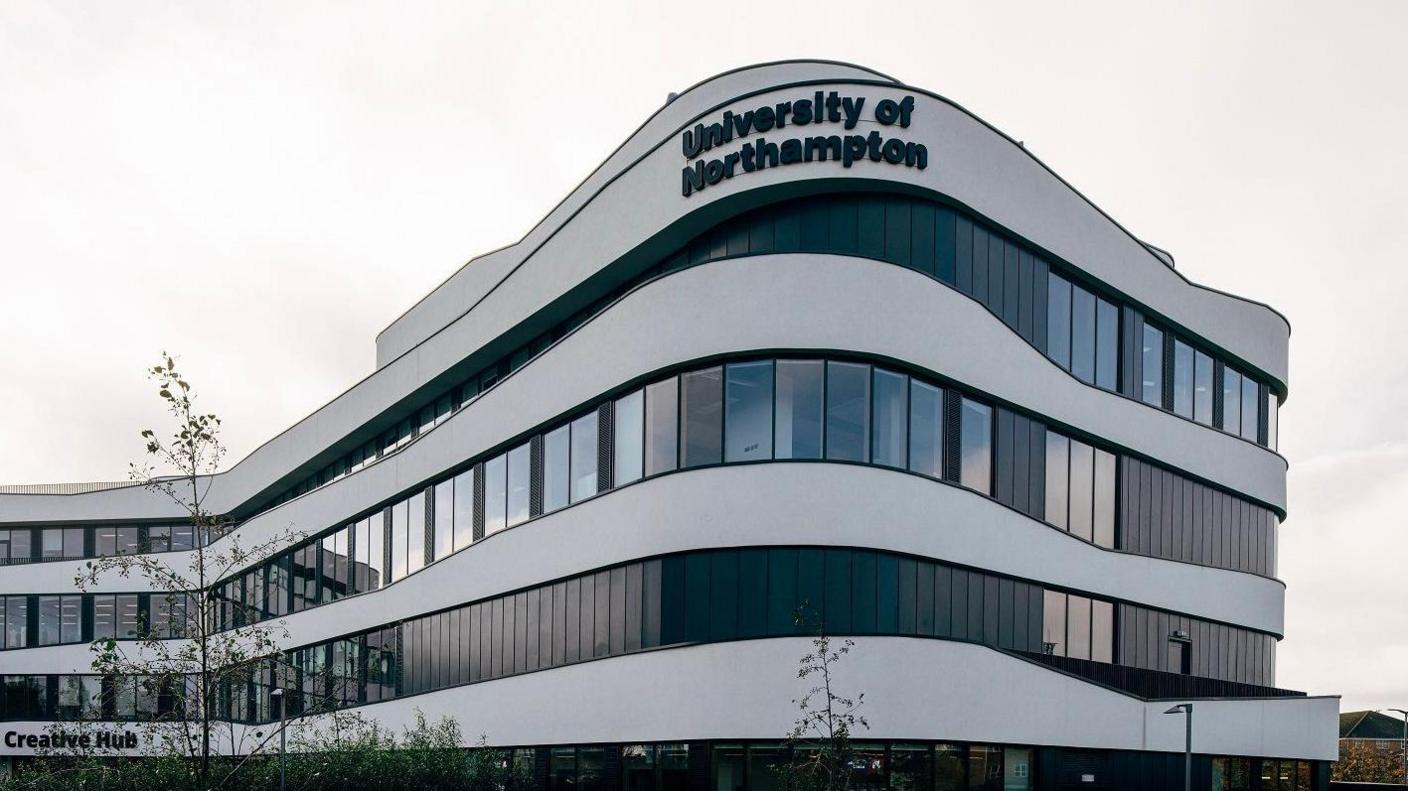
(809, 339)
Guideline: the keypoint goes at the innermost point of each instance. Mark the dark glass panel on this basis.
(701, 405)
(748, 417)
(662, 426)
(799, 409)
(847, 411)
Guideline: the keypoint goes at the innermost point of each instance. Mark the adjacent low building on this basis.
(885, 367)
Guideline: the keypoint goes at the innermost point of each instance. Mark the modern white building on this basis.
(810, 338)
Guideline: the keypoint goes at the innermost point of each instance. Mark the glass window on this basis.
(1202, 388)
(1082, 490)
(1017, 774)
(127, 543)
(909, 767)
(398, 542)
(555, 468)
(584, 456)
(20, 545)
(158, 539)
(1250, 400)
(948, 767)
(1102, 631)
(496, 493)
(1104, 509)
(847, 411)
(1272, 405)
(702, 408)
(799, 409)
(1058, 321)
(1107, 344)
(662, 438)
(52, 544)
(1231, 401)
(444, 519)
(1053, 623)
(49, 620)
(984, 767)
(926, 429)
(104, 617)
(1058, 470)
(104, 542)
(629, 445)
(1082, 334)
(182, 537)
(519, 482)
(71, 619)
(376, 550)
(415, 535)
(1182, 378)
(127, 616)
(890, 417)
(975, 438)
(1152, 363)
(748, 419)
(1077, 627)
(464, 509)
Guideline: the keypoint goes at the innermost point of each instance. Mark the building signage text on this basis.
(822, 108)
(59, 740)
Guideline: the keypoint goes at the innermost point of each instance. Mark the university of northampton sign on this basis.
(822, 108)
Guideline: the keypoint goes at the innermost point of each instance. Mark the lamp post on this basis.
(1405, 741)
(278, 694)
(1186, 709)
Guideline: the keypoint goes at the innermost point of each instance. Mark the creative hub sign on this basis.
(58, 739)
(822, 108)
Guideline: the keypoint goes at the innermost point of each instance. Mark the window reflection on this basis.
(799, 409)
(975, 438)
(748, 420)
(847, 411)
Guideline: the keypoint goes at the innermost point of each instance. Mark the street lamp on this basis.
(1186, 709)
(1405, 741)
(278, 694)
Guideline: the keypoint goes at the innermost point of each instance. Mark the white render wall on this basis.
(914, 688)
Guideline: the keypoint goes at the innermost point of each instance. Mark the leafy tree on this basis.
(184, 677)
(820, 755)
(1369, 761)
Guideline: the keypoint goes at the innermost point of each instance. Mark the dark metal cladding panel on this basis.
(605, 445)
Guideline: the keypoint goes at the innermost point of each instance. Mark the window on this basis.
(464, 509)
(1104, 508)
(127, 620)
(444, 519)
(1231, 401)
(1202, 388)
(584, 457)
(1058, 478)
(847, 411)
(49, 620)
(519, 475)
(1249, 406)
(104, 617)
(1077, 627)
(415, 534)
(127, 543)
(104, 541)
(926, 429)
(1082, 490)
(1058, 321)
(748, 415)
(701, 403)
(975, 439)
(1053, 624)
(555, 468)
(1102, 631)
(159, 538)
(398, 543)
(662, 426)
(1182, 379)
(376, 550)
(52, 544)
(890, 418)
(1272, 405)
(1152, 363)
(629, 444)
(1082, 334)
(496, 494)
(797, 432)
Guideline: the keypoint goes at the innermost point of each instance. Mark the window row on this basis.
(754, 410)
(51, 619)
(721, 595)
(75, 697)
(1077, 329)
(1183, 379)
(36, 544)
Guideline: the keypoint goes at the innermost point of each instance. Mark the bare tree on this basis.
(821, 753)
(196, 643)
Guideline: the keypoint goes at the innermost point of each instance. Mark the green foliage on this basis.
(821, 755)
(348, 755)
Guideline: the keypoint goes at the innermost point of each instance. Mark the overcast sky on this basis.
(261, 188)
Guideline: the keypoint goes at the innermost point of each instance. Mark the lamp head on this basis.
(1181, 709)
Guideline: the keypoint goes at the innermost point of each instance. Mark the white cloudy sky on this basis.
(262, 187)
